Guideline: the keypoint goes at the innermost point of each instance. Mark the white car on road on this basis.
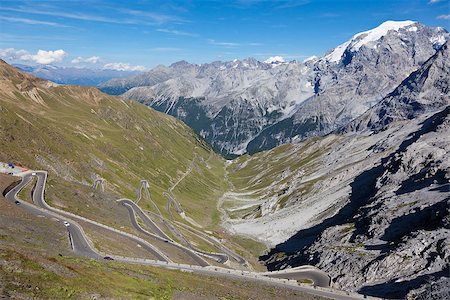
(66, 224)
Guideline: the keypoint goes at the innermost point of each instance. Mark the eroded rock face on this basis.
(392, 238)
(248, 106)
(424, 90)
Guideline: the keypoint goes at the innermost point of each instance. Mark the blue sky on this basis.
(148, 33)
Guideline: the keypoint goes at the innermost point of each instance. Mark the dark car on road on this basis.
(17, 202)
(108, 258)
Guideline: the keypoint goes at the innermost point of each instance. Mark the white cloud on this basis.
(444, 17)
(434, 1)
(123, 67)
(77, 60)
(223, 44)
(91, 60)
(165, 49)
(31, 21)
(46, 57)
(177, 32)
(41, 57)
(12, 54)
(274, 59)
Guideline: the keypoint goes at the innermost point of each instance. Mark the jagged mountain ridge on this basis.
(229, 107)
(248, 106)
(423, 91)
(356, 80)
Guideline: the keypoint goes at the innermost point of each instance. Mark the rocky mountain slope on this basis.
(215, 98)
(369, 204)
(248, 106)
(391, 234)
(424, 90)
(77, 76)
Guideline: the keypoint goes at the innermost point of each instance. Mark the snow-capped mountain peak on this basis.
(337, 53)
(370, 36)
(367, 38)
(309, 59)
(275, 60)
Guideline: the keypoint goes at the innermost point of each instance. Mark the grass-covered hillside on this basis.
(77, 132)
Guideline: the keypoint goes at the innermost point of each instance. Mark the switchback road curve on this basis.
(82, 246)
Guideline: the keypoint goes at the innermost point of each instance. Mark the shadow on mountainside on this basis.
(422, 180)
(429, 218)
(399, 290)
(363, 189)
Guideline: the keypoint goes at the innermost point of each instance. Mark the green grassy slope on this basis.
(78, 132)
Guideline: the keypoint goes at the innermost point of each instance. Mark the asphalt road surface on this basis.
(215, 241)
(81, 246)
(78, 237)
(133, 210)
(133, 207)
(147, 221)
(319, 277)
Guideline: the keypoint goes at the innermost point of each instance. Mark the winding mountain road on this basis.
(80, 241)
(239, 259)
(83, 247)
(134, 210)
(147, 221)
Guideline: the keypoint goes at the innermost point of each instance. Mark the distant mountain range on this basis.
(76, 76)
(248, 106)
